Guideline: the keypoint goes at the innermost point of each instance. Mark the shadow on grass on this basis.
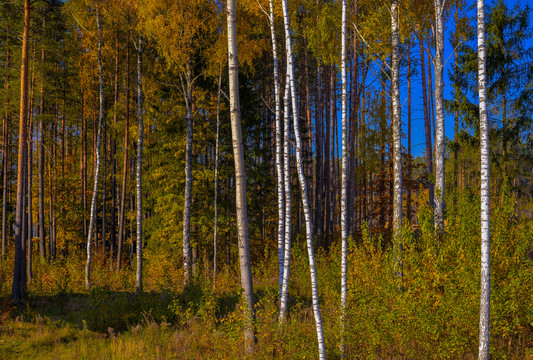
(106, 310)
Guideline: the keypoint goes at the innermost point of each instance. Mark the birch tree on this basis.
(215, 231)
(344, 186)
(240, 180)
(439, 111)
(288, 204)
(302, 181)
(484, 310)
(92, 219)
(396, 139)
(138, 192)
(278, 160)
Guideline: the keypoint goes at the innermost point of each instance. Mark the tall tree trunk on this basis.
(484, 310)
(427, 125)
(104, 181)
(439, 112)
(19, 284)
(139, 217)
(279, 165)
(122, 212)
(215, 231)
(113, 239)
(240, 180)
(187, 253)
(288, 203)
(409, 135)
(327, 156)
(397, 140)
(319, 159)
(42, 240)
(29, 170)
(83, 169)
(303, 185)
(456, 109)
(5, 158)
(344, 188)
(97, 151)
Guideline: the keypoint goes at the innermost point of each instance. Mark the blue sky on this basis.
(418, 136)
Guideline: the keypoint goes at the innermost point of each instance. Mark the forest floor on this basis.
(435, 315)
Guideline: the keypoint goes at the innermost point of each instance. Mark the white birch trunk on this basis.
(439, 109)
(303, 185)
(288, 204)
(279, 166)
(215, 231)
(397, 140)
(240, 181)
(97, 151)
(138, 278)
(484, 310)
(187, 257)
(344, 186)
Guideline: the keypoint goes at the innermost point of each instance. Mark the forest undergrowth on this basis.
(431, 312)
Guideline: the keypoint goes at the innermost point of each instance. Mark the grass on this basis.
(433, 316)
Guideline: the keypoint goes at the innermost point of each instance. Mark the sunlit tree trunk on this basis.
(29, 221)
(92, 219)
(303, 185)
(484, 311)
(278, 160)
(187, 255)
(409, 132)
(113, 238)
(439, 112)
(240, 181)
(18, 287)
(122, 211)
(288, 204)
(397, 140)
(5, 158)
(344, 187)
(42, 241)
(215, 231)
(139, 210)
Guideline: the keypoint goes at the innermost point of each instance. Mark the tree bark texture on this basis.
(19, 285)
(484, 310)
(303, 185)
(439, 112)
(138, 192)
(187, 256)
(278, 160)
(240, 180)
(92, 219)
(397, 140)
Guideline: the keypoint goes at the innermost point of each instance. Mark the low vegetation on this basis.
(429, 313)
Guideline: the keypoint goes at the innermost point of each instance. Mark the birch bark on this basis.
(139, 218)
(187, 256)
(240, 180)
(439, 110)
(344, 186)
(278, 160)
(397, 140)
(484, 310)
(97, 153)
(288, 204)
(303, 185)
(215, 231)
